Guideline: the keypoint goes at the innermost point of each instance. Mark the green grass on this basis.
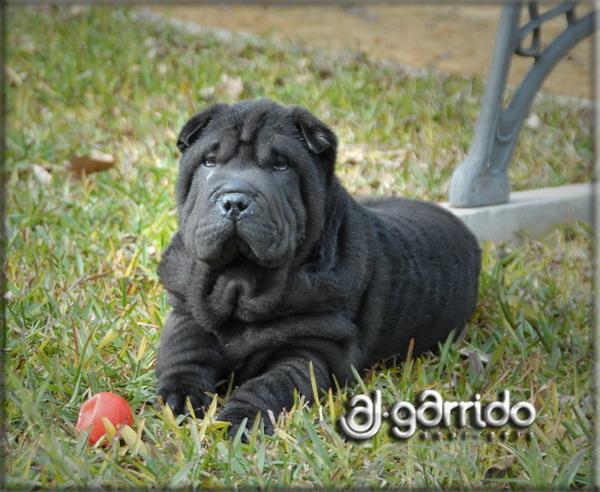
(84, 306)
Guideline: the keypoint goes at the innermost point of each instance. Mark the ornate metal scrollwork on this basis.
(482, 179)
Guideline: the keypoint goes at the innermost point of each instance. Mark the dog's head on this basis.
(253, 182)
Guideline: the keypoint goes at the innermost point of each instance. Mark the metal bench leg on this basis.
(482, 179)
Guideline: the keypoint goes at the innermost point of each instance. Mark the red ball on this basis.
(108, 405)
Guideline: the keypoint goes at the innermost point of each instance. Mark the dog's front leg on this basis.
(189, 363)
(274, 389)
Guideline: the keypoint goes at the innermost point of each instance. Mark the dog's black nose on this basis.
(234, 204)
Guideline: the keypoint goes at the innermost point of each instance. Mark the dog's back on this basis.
(434, 263)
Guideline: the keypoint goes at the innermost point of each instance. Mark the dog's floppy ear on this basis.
(193, 128)
(319, 138)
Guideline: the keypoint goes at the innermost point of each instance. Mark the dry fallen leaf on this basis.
(94, 162)
(76, 11)
(533, 121)
(170, 135)
(352, 155)
(231, 86)
(41, 174)
(12, 76)
(207, 92)
(26, 44)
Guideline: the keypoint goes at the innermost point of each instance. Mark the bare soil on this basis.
(454, 39)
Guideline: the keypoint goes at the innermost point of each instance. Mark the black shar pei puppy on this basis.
(275, 266)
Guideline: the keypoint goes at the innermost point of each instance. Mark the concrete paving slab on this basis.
(531, 211)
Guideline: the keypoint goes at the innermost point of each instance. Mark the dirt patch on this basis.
(448, 38)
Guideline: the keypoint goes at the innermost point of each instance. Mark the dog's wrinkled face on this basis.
(246, 187)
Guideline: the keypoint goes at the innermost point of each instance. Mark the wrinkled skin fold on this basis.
(275, 267)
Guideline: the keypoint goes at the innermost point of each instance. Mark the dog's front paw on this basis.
(176, 399)
(239, 415)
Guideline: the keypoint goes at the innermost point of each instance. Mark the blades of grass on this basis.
(359, 380)
(133, 440)
(317, 443)
(313, 383)
(78, 372)
(511, 324)
(530, 318)
(444, 356)
(170, 421)
(583, 422)
(132, 264)
(237, 439)
(109, 428)
(110, 336)
(261, 452)
(180, 478)
(141, 350)
(566, 473)
(331, 406)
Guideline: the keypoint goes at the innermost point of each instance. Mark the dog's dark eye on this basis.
(209, 162)
(280, 166)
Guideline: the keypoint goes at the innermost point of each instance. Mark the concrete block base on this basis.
(530, 211)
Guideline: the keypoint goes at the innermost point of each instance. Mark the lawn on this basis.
(84, 307)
